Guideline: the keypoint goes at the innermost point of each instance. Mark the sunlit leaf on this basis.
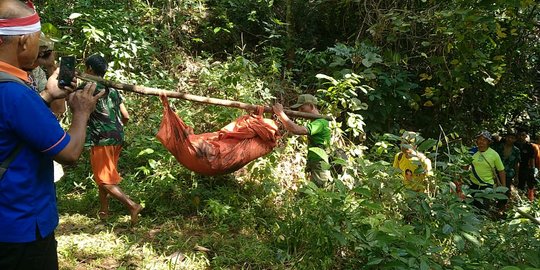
(428, 103)
(471, 238)
(145, 152)
(326, 77)
(74, 16)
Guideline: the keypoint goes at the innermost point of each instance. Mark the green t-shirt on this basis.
(485, 170)
(318, 136)
(105, 123)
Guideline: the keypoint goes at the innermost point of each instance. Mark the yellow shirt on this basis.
(484, 165)
(413, 169)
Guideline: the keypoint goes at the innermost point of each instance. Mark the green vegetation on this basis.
(379, 66)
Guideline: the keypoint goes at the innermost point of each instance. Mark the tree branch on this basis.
(206, 100)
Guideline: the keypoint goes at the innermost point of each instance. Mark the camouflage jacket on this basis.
(105, 123)
(39, 79)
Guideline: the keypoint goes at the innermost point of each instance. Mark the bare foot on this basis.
(135, 214)
(103, 214)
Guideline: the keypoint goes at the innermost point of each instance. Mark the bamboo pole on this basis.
(206, 100)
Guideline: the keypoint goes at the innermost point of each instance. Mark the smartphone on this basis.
(67, 71)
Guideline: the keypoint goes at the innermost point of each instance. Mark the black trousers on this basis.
(526, 178)
(484, 205)
(39, 254)
(501, 203)
(478, 204)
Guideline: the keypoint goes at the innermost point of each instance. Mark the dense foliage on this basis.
(379, 67)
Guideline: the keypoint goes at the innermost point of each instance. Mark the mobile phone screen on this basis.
(67, 70)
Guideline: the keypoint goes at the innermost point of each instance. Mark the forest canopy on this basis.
(413, 62)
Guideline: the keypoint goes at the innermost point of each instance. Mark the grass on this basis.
(87, 243)
(256, 218)
(207, 224)
(195, 222)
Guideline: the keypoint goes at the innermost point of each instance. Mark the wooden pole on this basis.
(207, 100)
(529, 216)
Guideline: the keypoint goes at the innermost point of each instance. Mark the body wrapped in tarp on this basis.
(221, 152)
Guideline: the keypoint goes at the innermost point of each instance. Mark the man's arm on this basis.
(58, 107)
(499, 166)
(287, 122)
(426, 163)
(502, 177)
(124, 112)
(82, 103)
(55, 96)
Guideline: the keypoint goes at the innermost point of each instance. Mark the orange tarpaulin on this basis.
(221, 152)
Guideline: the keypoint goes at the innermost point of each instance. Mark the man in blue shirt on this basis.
(28, 212)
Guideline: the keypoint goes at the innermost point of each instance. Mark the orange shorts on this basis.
(104, 161)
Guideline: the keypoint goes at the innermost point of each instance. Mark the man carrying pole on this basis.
(317, 131)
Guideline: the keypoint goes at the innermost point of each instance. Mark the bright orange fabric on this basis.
(104, 161)
(17, 72)
(536, 155)
(221, 152)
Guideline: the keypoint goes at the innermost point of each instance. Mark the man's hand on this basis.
(84, 101)
(277, 108)
(52, 91)
(288, 123)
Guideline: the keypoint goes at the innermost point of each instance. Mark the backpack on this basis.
(5, 77)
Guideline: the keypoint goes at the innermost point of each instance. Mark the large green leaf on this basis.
(320, 153)
(371, 58)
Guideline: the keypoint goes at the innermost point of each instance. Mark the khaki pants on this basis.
(317, 174)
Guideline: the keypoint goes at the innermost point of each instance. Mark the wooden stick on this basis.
(206, 100)
(529, 216)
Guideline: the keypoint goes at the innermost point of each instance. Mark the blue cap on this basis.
(485, 134)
